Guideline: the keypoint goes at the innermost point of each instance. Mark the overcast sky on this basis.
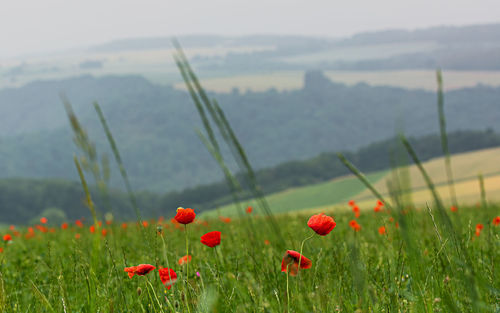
(32, 26)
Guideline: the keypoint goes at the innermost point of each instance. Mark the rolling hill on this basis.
(333, 195)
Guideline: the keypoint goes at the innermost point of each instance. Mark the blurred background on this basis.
(297, 80)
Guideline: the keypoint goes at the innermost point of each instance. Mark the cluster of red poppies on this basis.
(167, 275)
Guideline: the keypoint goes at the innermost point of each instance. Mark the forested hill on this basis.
(155, 125)
(26, 200)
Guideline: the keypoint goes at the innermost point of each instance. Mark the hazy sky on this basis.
(32, 26)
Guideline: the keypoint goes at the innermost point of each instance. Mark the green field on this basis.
(338, 190)
(407, 269)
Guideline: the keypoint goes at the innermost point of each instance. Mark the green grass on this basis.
(365, 271)
(332, 192)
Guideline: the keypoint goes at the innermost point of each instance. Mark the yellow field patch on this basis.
(411, 79)
(466, 167)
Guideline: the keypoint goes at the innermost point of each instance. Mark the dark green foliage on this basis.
(154, 125)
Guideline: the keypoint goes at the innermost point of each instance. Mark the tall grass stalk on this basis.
(444, 137)
(203, 103)
(483, 190)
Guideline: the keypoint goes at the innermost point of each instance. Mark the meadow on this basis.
(390, 256)
(411, 265)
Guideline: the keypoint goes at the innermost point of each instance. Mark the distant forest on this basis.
(25, 200)
(154, 126)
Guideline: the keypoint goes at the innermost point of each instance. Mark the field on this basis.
(411, 79)
(338, 190)
(466, 168)
(333, 195)
(74, 270)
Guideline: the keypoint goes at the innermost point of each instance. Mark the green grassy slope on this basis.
(294, 199)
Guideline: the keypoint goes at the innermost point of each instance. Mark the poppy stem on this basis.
(287, 292)
(300, 253)
(217, 267)
(187, 269)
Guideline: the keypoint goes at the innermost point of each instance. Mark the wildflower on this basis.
(104, 232)
(211, 239)
(43, 220)
(356, 211)
(124, 225)
(185, 216)
(7, 237)
(41, 228)
(226, 220)
(496, 221)
(267, 242)
(249, 210)
(92, 229)
(354, 225)
(52, 230)
(141, 269)
(453, 208)
(79, 223)
(185, 259)
(167, 276)
(351, 203)
(291, 261)
(198, 274)
(77, 236)
(381, 230)
(380, 203)
(479, 227)
(145, 223)
(1, 249)
(64, 225)
(322, 224)
(12, 227)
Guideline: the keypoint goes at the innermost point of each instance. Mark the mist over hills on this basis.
(154, 125)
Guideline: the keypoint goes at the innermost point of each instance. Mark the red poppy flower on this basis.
(64, 225)
(92, 229)
(291, 260)
(211, 239)
(43, 220)
(356, 211)
(104, 232)
(7, 237)
(479, 226)
(453, 208)
(145, 223)
(77, 236)
(141, 269)
(124, 225)
(354, 225)
(185, 259)
(1, 249)
(79, 223)
(185, 216)
(380, 203)
(496, 221)
(381, 230)
(12, 227)
(322, 224)
(267, 242)
(167, 276)
(41, 228)
(351, 202)
(226, 220)
(249, 210)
